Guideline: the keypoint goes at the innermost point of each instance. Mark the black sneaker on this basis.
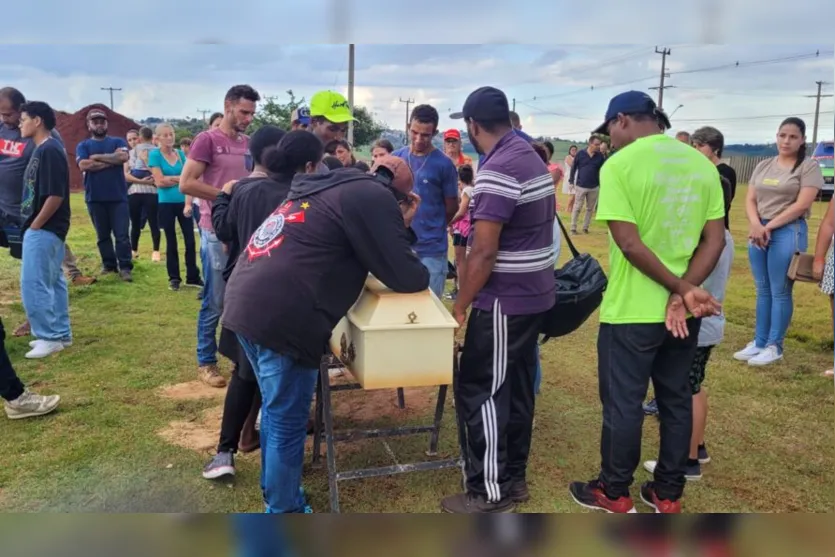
(704, 458)
(519, 492)
(223, 464)
(651, 408)
(591, 495)
(194, 284)
(108, 271)
(126, 275)
(468, 503)
(174, 285)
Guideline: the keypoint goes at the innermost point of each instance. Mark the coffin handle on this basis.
(412, 318)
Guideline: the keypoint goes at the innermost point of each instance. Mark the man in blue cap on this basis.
(509, 280)
(664, 207)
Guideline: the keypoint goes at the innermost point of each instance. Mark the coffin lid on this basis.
(380, 307)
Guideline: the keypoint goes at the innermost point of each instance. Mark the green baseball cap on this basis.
(331, 106)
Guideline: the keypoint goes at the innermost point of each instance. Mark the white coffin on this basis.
(391, 340)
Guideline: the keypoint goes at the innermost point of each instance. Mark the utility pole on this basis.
(818, 98)
(351, 92)
(408, 102)
(514, 105)
(203, 112)
(664, 52)
(111, 89)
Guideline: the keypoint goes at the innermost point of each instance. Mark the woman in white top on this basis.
(567, 188)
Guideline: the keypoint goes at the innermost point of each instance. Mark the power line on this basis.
(752, 94)
(735, 65)
(820, 84)
(664, 52)
(111, 89)
(203, 112)
(408, 101)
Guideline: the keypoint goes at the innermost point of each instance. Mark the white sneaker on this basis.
(258, 420)
(44, 348)
(29, 405)
(748, 352)
(768, 356)
(66, 343)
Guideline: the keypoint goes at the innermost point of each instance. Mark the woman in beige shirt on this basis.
(780, 194)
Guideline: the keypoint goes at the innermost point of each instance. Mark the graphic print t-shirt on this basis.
(669, 191)
(15, 153)
(46, 175)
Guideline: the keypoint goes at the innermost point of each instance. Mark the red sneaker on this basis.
(591, 495)
(661, 506)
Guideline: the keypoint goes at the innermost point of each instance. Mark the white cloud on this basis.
(560, 90)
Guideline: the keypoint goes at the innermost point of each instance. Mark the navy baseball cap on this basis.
(632, 102)
(485, 104)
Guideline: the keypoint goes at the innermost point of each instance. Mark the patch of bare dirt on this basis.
(192, 390)
(200, 434)
(369, 406)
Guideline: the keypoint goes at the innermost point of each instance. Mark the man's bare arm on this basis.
(114, 159)
(639, 255)
(90, 165)
(191, 183)
(707, 252)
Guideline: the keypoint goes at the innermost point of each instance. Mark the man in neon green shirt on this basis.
(662, 201)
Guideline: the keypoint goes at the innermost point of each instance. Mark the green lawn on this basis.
(770, 430)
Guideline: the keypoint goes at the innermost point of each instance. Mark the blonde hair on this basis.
(160, 127)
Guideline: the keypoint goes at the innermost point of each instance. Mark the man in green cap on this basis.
(329, 117)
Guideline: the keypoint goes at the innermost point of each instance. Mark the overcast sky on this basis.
(560, 90)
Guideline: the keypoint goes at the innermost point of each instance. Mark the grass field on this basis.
(120, 443)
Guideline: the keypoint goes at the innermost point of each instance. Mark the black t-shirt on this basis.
(47, 174)
(728, 177)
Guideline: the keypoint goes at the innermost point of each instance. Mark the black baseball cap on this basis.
(485, 104)
(96, 113)
(632, 102)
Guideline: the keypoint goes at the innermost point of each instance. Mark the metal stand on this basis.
(323, 427)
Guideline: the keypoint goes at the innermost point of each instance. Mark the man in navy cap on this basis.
(664, 207)
(509, 281)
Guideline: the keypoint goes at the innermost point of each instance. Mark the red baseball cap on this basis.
(452, 134)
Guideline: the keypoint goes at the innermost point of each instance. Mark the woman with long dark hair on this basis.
(567, 188)
(780, 195)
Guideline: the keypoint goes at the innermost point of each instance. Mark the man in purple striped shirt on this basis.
(509, 281)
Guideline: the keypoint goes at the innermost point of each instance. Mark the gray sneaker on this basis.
(223, 464)
(29, 405)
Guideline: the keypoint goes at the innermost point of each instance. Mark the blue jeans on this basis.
(437, 267)
(260, 536)
(213, 259)
(43, 286)
(112, 222)
(770, 268)
(286, 394)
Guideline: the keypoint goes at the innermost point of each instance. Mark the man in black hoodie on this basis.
(297, 277)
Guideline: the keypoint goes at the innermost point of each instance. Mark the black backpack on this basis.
(580, 285)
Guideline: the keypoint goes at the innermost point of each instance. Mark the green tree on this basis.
(277, 113)
(367, 130)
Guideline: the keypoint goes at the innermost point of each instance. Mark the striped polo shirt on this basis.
(513, 186)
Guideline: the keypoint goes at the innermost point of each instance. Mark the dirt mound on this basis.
(192, 390)
(73, 130)
(364, 409)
